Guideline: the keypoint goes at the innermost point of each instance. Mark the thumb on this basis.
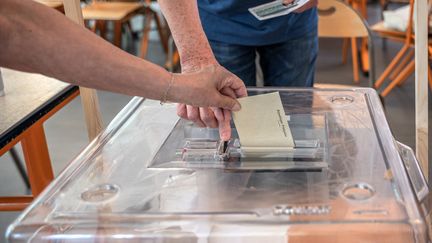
(228, 103)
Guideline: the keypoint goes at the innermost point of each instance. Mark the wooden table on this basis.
(118, 12)
(56, 4)
(30, 99)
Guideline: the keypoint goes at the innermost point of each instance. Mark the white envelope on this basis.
(261, 123)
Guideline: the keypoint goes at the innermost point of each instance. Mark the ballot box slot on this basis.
(189, 146)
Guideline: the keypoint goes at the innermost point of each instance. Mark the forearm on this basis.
(34, 38)
(191, 41)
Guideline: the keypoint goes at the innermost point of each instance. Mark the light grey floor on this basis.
(66, 133)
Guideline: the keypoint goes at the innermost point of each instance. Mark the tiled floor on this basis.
(66, 133)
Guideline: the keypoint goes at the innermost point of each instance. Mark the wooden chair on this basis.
(121, 12)
(55, 4)
(403, 64)
(362, 59)
(337, 19)
(150, 16)
(117, 12)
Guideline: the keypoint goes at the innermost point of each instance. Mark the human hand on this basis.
(212, 115)
(208, 117)
(310, 4)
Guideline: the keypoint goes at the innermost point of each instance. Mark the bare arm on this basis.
(35, 38)
(191, 41)
(195, 54)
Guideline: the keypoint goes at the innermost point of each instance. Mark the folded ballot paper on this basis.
(262, 125)
(275, 9)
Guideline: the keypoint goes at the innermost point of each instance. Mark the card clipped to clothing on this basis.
(275, 9)
(262, 125)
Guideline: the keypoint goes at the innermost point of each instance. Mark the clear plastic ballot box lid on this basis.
(150, 177)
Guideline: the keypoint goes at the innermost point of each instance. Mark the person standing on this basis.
(224, 33)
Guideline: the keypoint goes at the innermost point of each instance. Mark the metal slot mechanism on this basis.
(193, 147)
(229, 155)
(201, 150)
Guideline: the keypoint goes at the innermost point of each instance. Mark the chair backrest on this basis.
(337, 19)
(409, 33)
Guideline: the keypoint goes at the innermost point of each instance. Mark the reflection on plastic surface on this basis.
(222, 205)
(414, 171)
(100, 193)
(358, 191)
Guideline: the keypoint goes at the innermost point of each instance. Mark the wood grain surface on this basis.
(110, 10)
(421, 83)
(51, 3)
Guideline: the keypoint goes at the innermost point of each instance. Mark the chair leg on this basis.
(117, 33)
(163, 38)
(103, 29)
(173, 57)
(364, 55)
(148, 17)
(402, 77)
(101, 26)
(15, 203)
(355, 60)
(345, 50)
(133, 34)
(18, 163)
(392, 65)
(429, 68)
(173, 61)
(408, 70)
(363, 8)
(37, 159)
(430, 78)
(401, 65)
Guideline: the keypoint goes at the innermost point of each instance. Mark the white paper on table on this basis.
(275, 9)
(262, 124)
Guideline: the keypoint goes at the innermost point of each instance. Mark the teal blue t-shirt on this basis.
(229, 21)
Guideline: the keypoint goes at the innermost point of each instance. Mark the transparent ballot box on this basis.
(152, 177)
